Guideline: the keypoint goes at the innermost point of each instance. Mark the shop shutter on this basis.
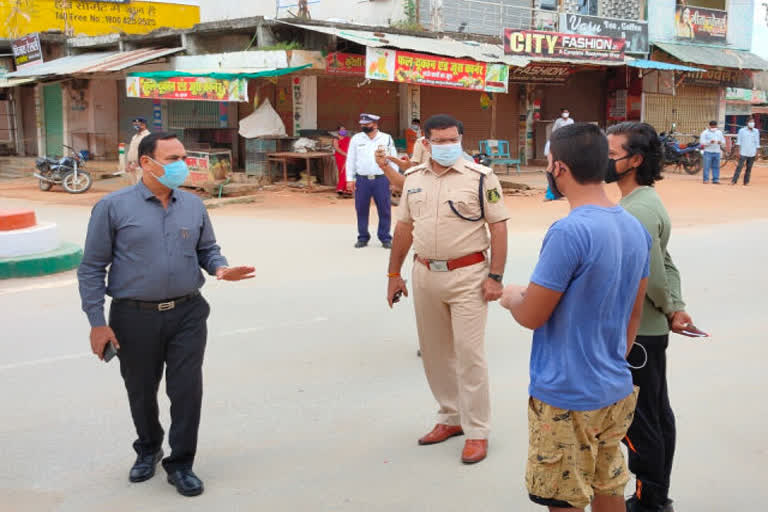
(193, 114)
(341, 101)
(464, 106)
(508, 119)
(691, 109)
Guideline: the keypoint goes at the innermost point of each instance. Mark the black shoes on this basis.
(144, 467)
(186, 482)
(634, 505)
(360, 245)
(386, 245)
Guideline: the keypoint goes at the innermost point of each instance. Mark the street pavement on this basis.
(314, 397)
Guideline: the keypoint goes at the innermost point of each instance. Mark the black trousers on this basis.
(151, 341)
(651, 437)
(750, 160)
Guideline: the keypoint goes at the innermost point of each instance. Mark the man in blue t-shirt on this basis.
(584, 302)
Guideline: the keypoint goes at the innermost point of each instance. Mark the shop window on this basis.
(721, 5)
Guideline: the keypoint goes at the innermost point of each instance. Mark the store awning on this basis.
(475, 50)
(96, 62)
(713, 56)
(658, 65)
(221, 75)
(13, 82)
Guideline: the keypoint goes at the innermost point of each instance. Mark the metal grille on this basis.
(691, 109)
(193, 114)
(487, 17)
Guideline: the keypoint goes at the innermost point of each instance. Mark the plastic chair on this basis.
(498, 153)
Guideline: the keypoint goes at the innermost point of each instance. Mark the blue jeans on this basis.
(378, 189)
(712, 161)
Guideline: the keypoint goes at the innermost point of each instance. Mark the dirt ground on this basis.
(690, 203)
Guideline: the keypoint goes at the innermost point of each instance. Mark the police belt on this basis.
(165, 305)
(447, 265)
(370, 176)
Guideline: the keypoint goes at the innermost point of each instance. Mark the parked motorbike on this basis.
(67, 171)
(688, 156)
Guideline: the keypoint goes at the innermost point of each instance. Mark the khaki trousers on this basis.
(450, 316)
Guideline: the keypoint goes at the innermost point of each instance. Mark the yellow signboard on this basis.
(77, 18)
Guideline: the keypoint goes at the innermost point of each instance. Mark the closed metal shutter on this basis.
(691, 109)
(194, 114)
(341, 101)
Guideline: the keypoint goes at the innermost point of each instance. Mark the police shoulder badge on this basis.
(493, 195)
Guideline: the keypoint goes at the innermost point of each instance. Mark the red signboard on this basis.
(554, 45)
(345, 63)
(187, 88)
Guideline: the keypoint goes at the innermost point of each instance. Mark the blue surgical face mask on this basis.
(446, 154)
(175, 173)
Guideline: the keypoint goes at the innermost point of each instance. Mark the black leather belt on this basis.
(370, 176)
(165, 305)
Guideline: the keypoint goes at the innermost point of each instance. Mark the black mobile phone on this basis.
(396, 296)
(109, 352)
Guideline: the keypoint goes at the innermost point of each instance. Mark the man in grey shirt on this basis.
(155, 239)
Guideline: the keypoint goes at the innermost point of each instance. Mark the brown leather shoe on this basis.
(440, 433)
(475, 450)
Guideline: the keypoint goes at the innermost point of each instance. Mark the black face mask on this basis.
(367, 129)
(611, 175)
(553, 184)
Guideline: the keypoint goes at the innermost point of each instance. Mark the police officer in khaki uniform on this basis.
(447, 204)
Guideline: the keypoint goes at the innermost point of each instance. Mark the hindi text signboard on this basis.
(188, 88)
(422, 69)
(635, 32)
(555, 45)
(699, 24)
(338, 63)
(27, 51)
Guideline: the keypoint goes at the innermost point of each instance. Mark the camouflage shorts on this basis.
(573, 455)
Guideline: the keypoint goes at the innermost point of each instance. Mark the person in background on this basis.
(748, 141)
(412, 134)
(367, 180)
(584, 302)
(713, 142)
(132, 166)
(563, 120)
(341, 146)
(636, 159)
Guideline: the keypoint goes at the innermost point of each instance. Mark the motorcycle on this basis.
(66, 171)
(688, 156)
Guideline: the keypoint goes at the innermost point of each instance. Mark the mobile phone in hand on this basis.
(109, 352)
(694, 332)
(396, 296)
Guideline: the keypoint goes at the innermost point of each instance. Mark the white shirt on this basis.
(361, 157)
(562, 122)
(748, 141)
(710, 140)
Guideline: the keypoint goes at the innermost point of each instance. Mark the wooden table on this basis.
(284, 157)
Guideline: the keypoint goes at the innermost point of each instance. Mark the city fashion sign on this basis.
(27, 51)
(555, 45)
(633, 31)
(700, 24)
(542, 72)
(338, 63)
(421, 69)
(187, 88)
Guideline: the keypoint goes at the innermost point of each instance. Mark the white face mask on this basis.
(565, 115)
(713, 129)
(751, 124)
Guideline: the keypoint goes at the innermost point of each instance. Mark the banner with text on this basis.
(421, 69)
(554, 45)
(700, 24)
(635, 32)
(187, 88)
(338, 63)
(27, 51)
(541, 72)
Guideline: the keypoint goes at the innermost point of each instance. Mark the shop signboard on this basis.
(27, 51)
(635, 32)
(422, 69)
(745, 95)
(188, 88)
(541, 72)
(338, 63)
(741, 78)
(697, 24)
(556, 45)
(93, 18)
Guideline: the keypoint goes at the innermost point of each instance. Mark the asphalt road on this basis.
(314, 396)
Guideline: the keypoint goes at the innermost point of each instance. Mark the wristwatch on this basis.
(496, 277)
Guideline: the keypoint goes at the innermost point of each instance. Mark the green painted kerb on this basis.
(66, 257)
